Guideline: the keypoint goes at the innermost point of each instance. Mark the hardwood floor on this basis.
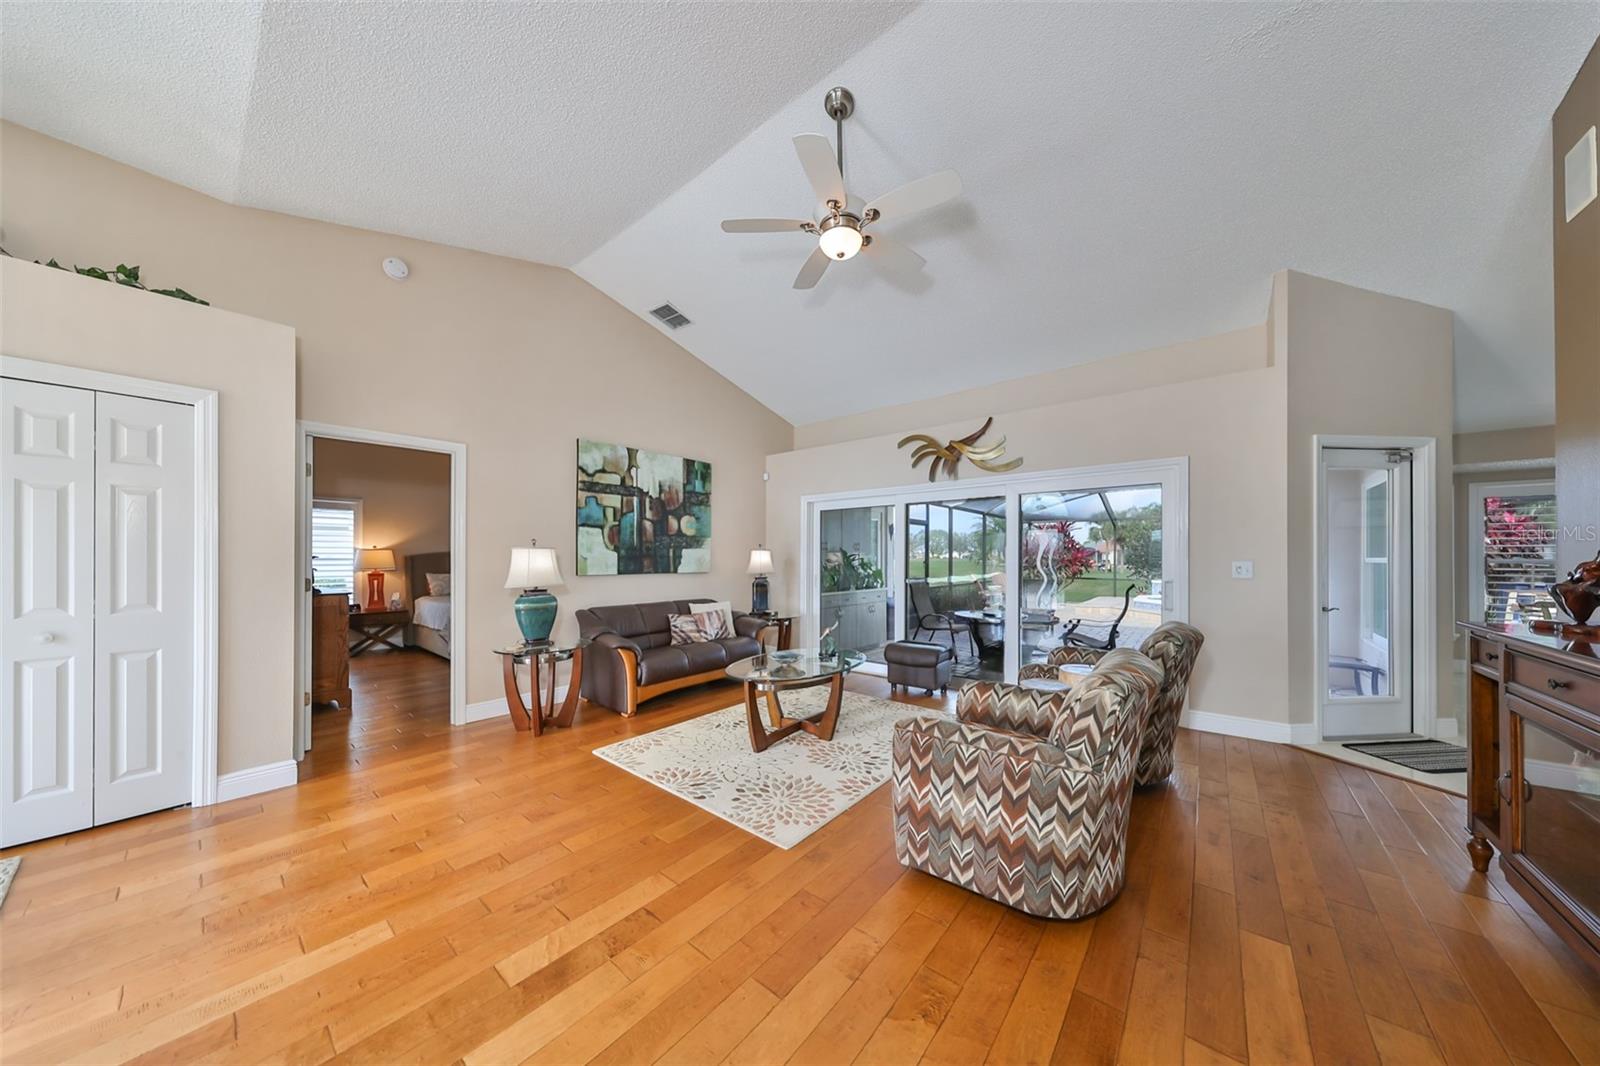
(478, 895)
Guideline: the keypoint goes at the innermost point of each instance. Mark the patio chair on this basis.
(924, 617)
(1076, 637)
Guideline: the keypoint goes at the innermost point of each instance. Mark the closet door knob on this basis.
(47, 638)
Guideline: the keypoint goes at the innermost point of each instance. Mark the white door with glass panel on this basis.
(97, 701)
(1364, 626)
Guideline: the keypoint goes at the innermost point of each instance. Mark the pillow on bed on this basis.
(438, 584)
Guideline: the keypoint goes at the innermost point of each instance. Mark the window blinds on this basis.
(333, 545)
(1518, 557)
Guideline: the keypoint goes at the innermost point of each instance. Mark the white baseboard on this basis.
(264, 778)
(1249, 728)
(1446, 729)
(484, 710)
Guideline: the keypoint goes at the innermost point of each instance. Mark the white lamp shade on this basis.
(760, 561)
(375, 559)
(533, 568)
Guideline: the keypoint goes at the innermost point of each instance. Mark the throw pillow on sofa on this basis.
(697, 628)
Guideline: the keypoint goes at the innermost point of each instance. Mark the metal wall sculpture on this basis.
(947, 457)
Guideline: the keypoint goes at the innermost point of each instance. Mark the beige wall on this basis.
(1229, 425)
(1506, 445)
(514, 359)
(1577, 312)
(57, 317)
(1365, 364)
(404, 494)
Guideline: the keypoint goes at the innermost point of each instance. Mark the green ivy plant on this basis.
(123, 275)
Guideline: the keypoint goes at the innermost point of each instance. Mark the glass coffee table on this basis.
(779, 671)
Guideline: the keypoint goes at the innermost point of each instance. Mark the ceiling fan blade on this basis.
(822, 170)
(809, 274)
(918, 195)
(764, 225)
(894, 258)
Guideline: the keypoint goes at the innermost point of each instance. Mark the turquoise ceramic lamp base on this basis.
(536, 614)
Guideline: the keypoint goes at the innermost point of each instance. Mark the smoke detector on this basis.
(396, 268)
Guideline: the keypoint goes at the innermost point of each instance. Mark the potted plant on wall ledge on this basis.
(122, 274)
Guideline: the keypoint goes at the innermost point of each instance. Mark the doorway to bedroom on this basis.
(380, 614)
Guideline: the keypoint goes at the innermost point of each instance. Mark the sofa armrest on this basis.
(615, 641)
(1036, 671)
(749, 625)
(611, 672)
(1010, 707)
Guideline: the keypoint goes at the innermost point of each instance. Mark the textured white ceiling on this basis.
(535, 130)
(1134, 172)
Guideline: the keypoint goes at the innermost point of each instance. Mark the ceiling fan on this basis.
(840, 220)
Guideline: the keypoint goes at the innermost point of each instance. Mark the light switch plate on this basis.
(1244, 568)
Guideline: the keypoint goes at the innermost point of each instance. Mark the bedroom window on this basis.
(335, 532)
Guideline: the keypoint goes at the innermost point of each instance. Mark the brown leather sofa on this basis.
(631, 657)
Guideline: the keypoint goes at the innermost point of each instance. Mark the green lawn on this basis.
(1092, 584)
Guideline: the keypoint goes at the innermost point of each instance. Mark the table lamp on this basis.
(760, 567)
(376, 562)
(532, 568)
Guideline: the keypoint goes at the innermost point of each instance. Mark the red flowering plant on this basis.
(1052, 556)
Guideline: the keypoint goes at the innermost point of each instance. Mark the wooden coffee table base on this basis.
(820, 726)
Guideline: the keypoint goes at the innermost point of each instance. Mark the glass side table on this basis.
(541, 660)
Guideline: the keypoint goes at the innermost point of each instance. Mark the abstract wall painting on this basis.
(642, 512)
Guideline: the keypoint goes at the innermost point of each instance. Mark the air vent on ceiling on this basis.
(670, 316)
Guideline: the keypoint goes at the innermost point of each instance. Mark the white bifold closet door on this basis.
(98, 577)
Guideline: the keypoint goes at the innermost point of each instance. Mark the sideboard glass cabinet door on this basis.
(1554, 794)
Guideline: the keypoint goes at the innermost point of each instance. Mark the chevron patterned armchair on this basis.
(1174, 647)
(1024, 797)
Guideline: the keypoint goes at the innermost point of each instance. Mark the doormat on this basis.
(1429, 756)
(8, 873)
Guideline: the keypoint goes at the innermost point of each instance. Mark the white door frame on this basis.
(458, 560)
(1424, 573)
(1171, 474)
(203, 771)
(1477, 492)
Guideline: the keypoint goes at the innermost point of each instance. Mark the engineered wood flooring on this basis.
(475, 895)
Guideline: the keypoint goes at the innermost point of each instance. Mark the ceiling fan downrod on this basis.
(839, 105)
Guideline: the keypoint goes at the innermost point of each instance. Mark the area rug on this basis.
(785, 793)
(1429, 756)
(8, 873)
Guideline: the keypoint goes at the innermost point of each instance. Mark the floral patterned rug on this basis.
(787, 792)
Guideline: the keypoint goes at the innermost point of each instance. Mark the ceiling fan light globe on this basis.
(840, 242)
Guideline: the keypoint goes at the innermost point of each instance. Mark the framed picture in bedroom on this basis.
(642, 512)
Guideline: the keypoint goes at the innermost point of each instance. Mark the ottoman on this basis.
(919, 663)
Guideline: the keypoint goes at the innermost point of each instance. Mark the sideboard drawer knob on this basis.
(1553, 685)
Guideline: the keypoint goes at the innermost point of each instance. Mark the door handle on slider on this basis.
(1329, 610)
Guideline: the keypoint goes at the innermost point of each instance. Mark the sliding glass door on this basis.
(857, 604)
(955, 580)
(1004, 572)
(1091, 567)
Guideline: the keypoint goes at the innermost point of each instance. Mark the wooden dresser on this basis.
(1533, 783)
(330, 648)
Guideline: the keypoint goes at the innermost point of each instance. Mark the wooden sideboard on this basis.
(1533, 781)
(330, 648)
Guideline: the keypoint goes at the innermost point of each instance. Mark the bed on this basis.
(430, 615)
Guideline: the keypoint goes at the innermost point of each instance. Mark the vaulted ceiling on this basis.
(1134, 172)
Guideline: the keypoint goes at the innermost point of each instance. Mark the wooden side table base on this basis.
(525, 718)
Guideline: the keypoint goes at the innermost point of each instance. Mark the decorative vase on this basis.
(536, 615)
